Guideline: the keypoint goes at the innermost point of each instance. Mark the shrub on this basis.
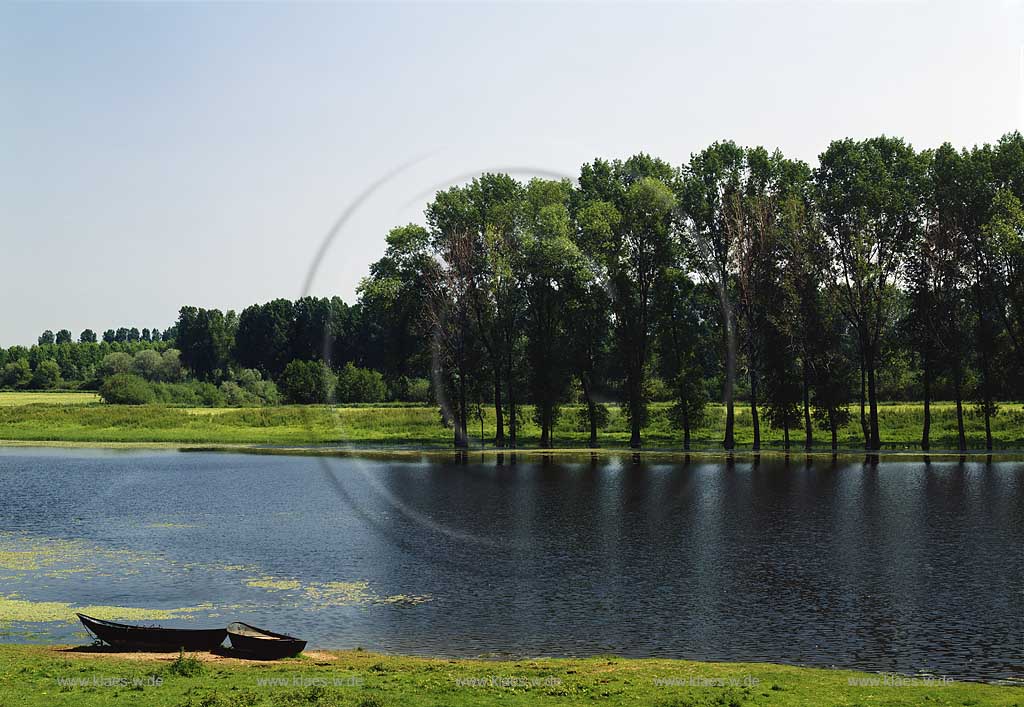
(17, 373)
(208, 394)
(175, 393)
(236, 396)
(265, 391)
(306, 382)
(170, 366)
(126, 389)
(115, 363)
(405, 389)
(360, 385)
(257, 390)
(46, 375)
(186, 665)
(148, 364)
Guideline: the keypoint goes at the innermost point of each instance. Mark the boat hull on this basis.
(153, 638)
(266, 645)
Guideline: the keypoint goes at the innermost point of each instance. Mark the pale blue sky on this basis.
(162, 154)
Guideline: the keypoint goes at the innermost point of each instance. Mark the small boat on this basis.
(262, 644)
(155, 638)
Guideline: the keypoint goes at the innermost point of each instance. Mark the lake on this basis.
(901, 566)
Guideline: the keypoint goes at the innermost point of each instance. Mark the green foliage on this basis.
(17, 373)
(115, 364)
(126, 389)
(307, 382)
(582, 417)
(46, 375)
(186, 666)
(359, 385)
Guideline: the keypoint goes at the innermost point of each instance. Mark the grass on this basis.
(73, 422)
(10, 398)
(40, 675)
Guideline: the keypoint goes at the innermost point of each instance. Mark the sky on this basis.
(156, 155)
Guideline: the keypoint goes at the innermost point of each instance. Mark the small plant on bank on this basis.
(185, 666)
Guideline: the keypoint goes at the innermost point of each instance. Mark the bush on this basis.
(186, 666)
(413, 390)
(17, 373)
(148, 364)
(170, 366)
(175, 393)
(306, 382)
(360, 385)
(236, 396)
(46, 375)
(115, 363)
(265, 391)
(209, 395)
(126, 389)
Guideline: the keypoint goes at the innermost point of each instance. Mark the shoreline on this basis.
(86, 677)
(401, 451)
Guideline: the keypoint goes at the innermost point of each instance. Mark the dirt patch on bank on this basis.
(223, 656)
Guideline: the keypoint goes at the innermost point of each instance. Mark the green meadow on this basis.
(55, 676)
(77, 418)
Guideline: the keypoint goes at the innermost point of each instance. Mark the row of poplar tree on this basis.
(803, 282)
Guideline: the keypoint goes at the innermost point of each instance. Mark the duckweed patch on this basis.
(13, 608)
(332, 594)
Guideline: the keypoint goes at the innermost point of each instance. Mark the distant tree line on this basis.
(742, 275)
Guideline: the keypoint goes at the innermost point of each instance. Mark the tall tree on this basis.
(488, 212)
(869, 193)
(450, 308)
(682, 335)
(549, 268)
(264, 338)
(391, 298)
(710, 195)
(204, 339)
(635, 202)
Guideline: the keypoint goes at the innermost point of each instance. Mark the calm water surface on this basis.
(898, 567)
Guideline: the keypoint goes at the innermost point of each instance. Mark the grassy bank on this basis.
(62, 420)
(38, 675)
(9, 398)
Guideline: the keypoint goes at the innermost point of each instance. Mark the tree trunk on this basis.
(686, 432)
(730, 369)
(499, 416)
(876, 442)
(863, 415)
(986, 395)
(591, 409)
(958, 393)
(513, 425)
(926, 430)
(833, 428)
(545, 426)
(808, 427)
(785, 435)
(753, 410)
(634, 418)
(461, 432)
